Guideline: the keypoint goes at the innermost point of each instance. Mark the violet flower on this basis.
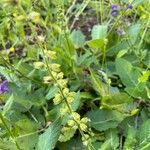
(114, 10)
(3, 87)
(129, 6)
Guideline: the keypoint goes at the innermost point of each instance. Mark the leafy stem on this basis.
(61, 91)
(9, 131)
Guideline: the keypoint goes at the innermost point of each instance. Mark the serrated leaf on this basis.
(48, 139)
(103, 119)
(143, 136)
(120, 102)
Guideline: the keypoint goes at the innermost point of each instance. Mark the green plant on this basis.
(78, 75)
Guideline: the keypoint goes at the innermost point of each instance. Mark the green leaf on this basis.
(78, 38)
(121, 53)
(51, 92)
(99, 32)
(145, 76)
(112, 140)
(7, 73)
(96, 43)
(133, 33)
(73, 143)
(103, 119)
(120, 102)
(129, 75)
(143, 136)
(28, 136)
(97, 84)
(130, 139)
(48, 139)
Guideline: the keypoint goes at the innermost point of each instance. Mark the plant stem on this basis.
(9, 131)
(60, 89)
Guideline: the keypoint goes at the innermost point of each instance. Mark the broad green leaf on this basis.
(103, 119)
(96, 43)
(37, 98)
(133, 33)
(120, 102)
(99, 32)
(48, 139)
(138, 91)
(129, 75)
(78, 38)
(28, 136)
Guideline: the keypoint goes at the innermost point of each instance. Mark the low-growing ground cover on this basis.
(74, 75)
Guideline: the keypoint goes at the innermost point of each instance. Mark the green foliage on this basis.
(78, 77)
(48, 139)
(104, 119)
(99, 32)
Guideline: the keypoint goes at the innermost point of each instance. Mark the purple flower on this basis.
(3, 87)
(114, 10)
(114, 7)
(129, 6)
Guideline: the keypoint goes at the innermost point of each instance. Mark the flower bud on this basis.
(71, 123)
(76, 116)
(51, 54)
(72, 94)
(70, 99)
(55, 67)
(60, 75)
(83, 127)
(54, 74)
(85, 120)
(62, 82)
(65, 92)
(38, 65)
(47, 79)
(64, 110)
(57, 100)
